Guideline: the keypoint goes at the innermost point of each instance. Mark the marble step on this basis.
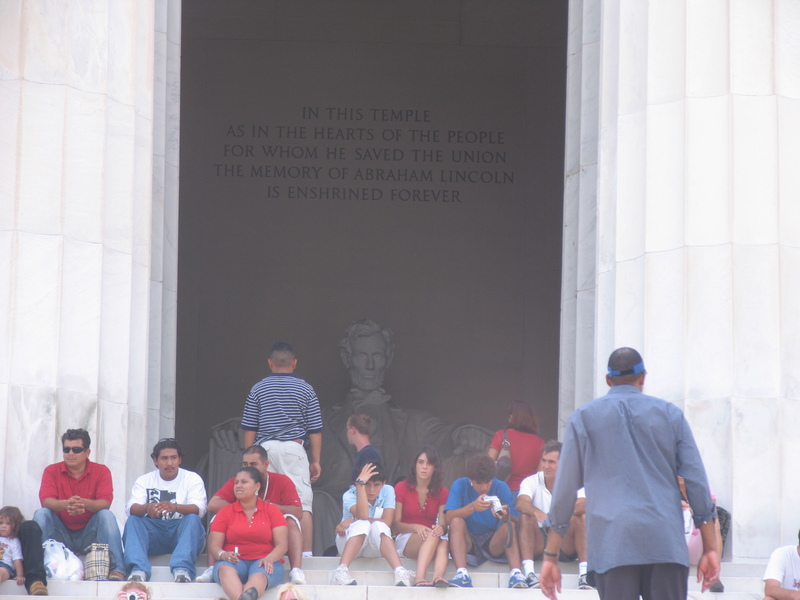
(742, 582)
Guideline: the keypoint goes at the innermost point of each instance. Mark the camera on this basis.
(497, 506)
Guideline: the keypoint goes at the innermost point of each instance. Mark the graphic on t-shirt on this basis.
(3, 550)
(154, 495)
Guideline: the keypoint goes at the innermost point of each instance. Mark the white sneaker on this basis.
(297, 577)
(403, 576)
(205, 576)
(341, 576)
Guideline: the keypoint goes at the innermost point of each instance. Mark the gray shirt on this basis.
(627, 450)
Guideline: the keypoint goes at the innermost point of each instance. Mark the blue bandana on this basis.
(635, 370)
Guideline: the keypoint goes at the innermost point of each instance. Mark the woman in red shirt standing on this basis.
(419, 517)
(249, 539)
(525, 445)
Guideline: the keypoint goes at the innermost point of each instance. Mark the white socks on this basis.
(528, 567)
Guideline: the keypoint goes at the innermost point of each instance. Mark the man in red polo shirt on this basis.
(76, 495)
(280, 491)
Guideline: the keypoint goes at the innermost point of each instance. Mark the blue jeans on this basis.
(246, 568)
(101, 528)
(183, 538)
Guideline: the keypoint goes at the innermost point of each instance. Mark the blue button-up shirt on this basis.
(627, 450)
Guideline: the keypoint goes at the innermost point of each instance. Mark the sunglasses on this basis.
(75, 449)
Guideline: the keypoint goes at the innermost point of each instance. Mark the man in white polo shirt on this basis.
(533, 504)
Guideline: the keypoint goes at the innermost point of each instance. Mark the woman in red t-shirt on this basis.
(249, 538)
(526, 446)
(419, 517)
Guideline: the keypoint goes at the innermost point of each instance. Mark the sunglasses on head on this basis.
(75, 449)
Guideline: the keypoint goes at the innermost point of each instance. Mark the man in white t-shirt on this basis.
(533, 504)
(164, 516)
(782, 577)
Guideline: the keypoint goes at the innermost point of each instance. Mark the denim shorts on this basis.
(246, 568)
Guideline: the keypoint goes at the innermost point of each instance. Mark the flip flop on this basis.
(440, 582)
(423, 584)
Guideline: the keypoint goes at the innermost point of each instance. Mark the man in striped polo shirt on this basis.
(281, 413)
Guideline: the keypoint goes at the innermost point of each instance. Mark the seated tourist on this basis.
(782, 577)
(76, 495)
(280, 491)
(365, 530)
(694, 539)
(533, 504)
(419, 517)
(358, 426)
(248, 538)
(478, 527)
(164, 513)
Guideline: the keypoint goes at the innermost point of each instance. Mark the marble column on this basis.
(88, 223)
(682, 232)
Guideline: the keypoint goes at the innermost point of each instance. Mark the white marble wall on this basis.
(88, 223)
(682, 229)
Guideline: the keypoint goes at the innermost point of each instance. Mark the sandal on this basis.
(423, 584)
(441, 582)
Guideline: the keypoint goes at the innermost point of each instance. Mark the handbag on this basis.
(96, 562)
(504, 459)
(60, 562)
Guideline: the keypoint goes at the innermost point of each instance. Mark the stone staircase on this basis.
(742, 582)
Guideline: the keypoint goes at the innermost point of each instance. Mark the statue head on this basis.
(367, 351)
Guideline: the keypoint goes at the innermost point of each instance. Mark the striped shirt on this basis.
(282, 407)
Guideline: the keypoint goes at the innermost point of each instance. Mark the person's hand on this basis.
(151, 510)
(228, 436)
(481, 504)
(341, 528)
(708, 569)
(470, 438)
(422, 531)
(367, 471)
(315, 470)
(267, 564)
(75, 506)
(550, 579)
(228, 556)
(503, 513)
(165, 507)
(20, 580)
(437, 531)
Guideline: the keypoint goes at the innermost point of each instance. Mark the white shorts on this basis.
(290, 459)
(401, 541)
(371, 548)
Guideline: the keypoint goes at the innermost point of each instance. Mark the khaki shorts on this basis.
(290, 459)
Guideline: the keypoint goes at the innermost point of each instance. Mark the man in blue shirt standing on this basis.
(478, 527)
(627, 450)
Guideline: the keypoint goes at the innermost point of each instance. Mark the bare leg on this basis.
(230, 582)
(460, 542)
(258, 581)
(389, 551)
(442, 558)
(497, 545)
(423, 551)
(531, 540)
(307, 524)
(351, 548)
(575, 540)
(295, 544)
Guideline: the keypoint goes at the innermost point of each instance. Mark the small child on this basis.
(134, 590)
(10, 549)
(365, 529)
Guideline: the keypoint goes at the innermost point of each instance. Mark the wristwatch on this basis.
(360, 482)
